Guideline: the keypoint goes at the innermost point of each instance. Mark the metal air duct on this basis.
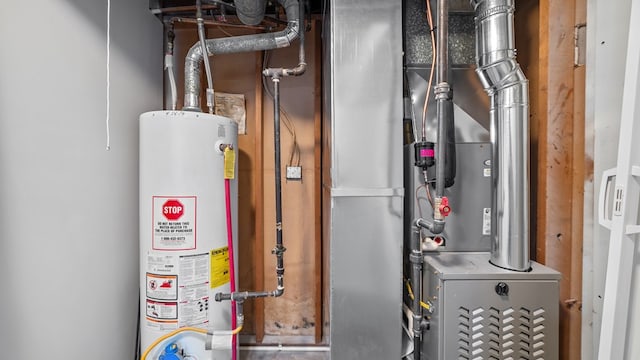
(250, 12)
(508, 91)
(236, 44)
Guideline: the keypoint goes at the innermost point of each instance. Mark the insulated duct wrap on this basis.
(236, 44)
(508, 91)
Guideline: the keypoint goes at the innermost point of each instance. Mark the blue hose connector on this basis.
(170, 353)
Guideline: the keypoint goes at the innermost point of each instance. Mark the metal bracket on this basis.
(580, 44)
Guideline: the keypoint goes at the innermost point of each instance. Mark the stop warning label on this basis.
(174, 222)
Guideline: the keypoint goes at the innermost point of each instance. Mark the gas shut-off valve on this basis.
(444, 208)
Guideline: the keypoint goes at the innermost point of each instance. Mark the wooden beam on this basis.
(317, 179)
(560, 143)
(258, 179)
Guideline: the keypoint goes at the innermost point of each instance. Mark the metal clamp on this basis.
(442, 91)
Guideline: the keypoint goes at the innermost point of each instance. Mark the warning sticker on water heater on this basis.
(220, 267)
(162, 287)
(193, 299)
(174, 222)
(162, 311)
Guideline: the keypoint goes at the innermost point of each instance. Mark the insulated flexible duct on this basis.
(236, 44)
(508, 91)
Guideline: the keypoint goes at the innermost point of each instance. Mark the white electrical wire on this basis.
(108, 73)
(205, 58)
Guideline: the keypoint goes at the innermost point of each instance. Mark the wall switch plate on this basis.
(294, 173)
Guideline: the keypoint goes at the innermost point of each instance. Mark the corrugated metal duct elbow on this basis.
(508, 90)
(236, 44)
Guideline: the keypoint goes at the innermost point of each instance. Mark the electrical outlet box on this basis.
(294, 173)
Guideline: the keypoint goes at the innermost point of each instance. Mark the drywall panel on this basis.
(68, 207)
(607, 36)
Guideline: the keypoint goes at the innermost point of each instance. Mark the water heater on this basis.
(184, 257)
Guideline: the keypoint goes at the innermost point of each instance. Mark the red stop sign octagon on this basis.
(172, 209)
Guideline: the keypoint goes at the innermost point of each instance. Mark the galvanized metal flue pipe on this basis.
(507, 87)
(236, 44)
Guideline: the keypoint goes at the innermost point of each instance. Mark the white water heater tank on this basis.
(184, 258)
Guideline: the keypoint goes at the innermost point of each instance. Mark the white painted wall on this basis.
(68, 208)
(607, 37)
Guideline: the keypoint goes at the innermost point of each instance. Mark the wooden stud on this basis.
(560, 164)
(258, 254)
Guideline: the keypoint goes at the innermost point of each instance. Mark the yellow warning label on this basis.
(219, 267)
(229, 163)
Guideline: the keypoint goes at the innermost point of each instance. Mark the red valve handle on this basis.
(445, 209)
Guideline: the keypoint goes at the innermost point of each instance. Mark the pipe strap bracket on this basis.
(493, 11)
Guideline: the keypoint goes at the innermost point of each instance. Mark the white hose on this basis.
(428, 244)
(168, 64)
(205, 58)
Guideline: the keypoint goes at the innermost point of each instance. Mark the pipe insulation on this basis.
(446, 147)
(507, 87)
(236, 44)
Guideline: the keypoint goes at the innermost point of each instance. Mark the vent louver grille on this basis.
(501, 334)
